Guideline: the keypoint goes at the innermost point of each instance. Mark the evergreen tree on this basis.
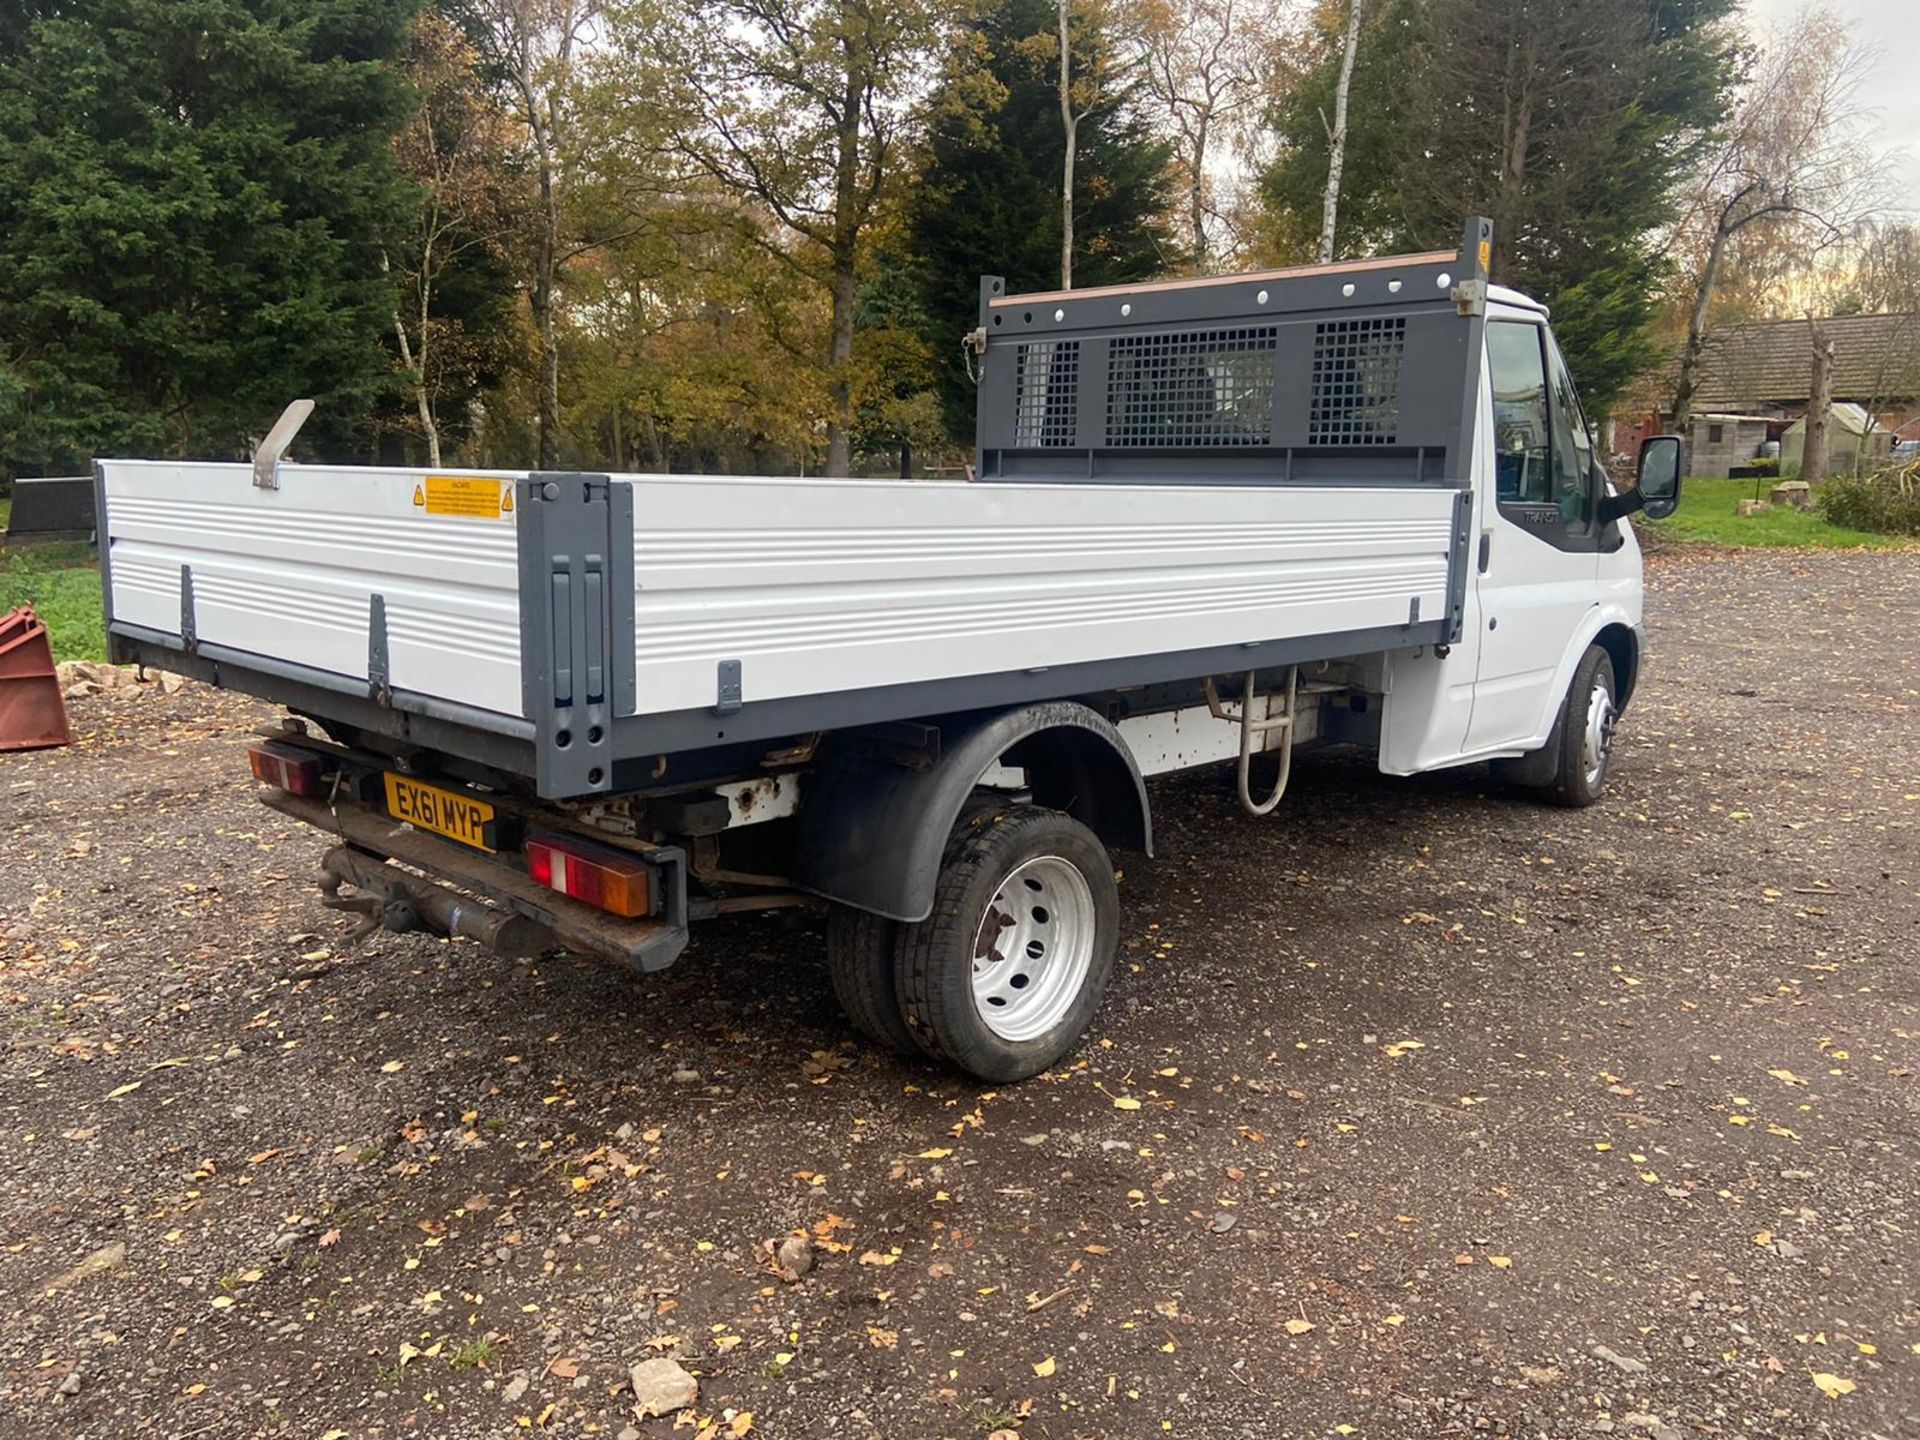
(193, 194)
(988, 198)
(1570, 122)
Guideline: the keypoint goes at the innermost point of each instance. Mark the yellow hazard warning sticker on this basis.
(464, 495)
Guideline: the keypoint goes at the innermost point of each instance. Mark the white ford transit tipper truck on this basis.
(1212, 520)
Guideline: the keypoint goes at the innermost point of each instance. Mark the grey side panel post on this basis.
(1470, 299)
(872, 832)
(569, 675)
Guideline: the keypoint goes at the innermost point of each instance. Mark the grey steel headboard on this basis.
(1351, 373)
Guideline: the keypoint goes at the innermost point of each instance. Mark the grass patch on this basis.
(1706, 516)
(475, 1356)
(62, 583)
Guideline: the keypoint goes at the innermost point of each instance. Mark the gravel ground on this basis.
(1417, 1110)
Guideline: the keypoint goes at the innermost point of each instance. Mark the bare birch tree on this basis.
(1204, 63)
(453, 148)
(1337, 135)
(533, 46)
(1792, 175)
(1070, 123)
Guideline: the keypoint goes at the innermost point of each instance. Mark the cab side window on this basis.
(1543, 455)
(1521, 446)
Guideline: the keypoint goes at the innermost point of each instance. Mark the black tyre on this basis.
(1005, 974)
(1583, 736)
(860, 963)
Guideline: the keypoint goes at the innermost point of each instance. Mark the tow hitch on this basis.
(389, 900)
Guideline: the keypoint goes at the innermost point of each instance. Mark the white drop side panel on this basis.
(289, 573)
(817, 586)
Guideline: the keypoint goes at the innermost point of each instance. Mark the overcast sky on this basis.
(1884, 29)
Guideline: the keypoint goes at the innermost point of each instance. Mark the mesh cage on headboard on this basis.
(1191, 388)
(1362, 372)
(1046, 390)
(1356, 381)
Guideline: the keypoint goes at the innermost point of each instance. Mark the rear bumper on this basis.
(647, 944)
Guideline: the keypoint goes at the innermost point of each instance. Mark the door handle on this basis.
(1486, 549)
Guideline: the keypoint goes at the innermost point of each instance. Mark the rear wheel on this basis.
(1005, 974)
(860, 963)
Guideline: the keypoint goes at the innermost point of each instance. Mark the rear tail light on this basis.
(592, 874)
(286, 768)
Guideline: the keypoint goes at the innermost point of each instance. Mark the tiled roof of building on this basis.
(1876, 358)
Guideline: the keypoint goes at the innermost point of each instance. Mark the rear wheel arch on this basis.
(872, 832)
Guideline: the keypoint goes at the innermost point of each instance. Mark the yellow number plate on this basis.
(428, 807)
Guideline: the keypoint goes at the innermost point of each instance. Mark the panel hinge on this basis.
(727, 688)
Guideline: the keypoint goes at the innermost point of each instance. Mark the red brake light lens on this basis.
(592, 874)
(286, 768)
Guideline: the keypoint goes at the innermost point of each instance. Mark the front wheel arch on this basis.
(1622, 645)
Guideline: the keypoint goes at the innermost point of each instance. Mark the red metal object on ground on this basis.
(32, 715)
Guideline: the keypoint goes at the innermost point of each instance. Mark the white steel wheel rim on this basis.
(1033, 949)
(1597, 743)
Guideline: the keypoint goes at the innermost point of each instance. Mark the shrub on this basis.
(1886, 504)
(1764, 465)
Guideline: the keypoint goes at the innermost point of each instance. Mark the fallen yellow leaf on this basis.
(1832, 1386)
(1394, 1320)
(1126, 1102)
(1298, 1326)
(742, 1423)
(1500, 1262)
(1044, 1368)
(935, 1154)
(221, 1302)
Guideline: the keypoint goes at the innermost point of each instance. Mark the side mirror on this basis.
(1658, 485)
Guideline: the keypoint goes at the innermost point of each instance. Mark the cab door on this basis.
(1537, 552)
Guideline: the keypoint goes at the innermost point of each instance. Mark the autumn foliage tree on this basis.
(798, 109)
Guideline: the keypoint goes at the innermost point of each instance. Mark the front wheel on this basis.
(1584, 735)
(1005, 974)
